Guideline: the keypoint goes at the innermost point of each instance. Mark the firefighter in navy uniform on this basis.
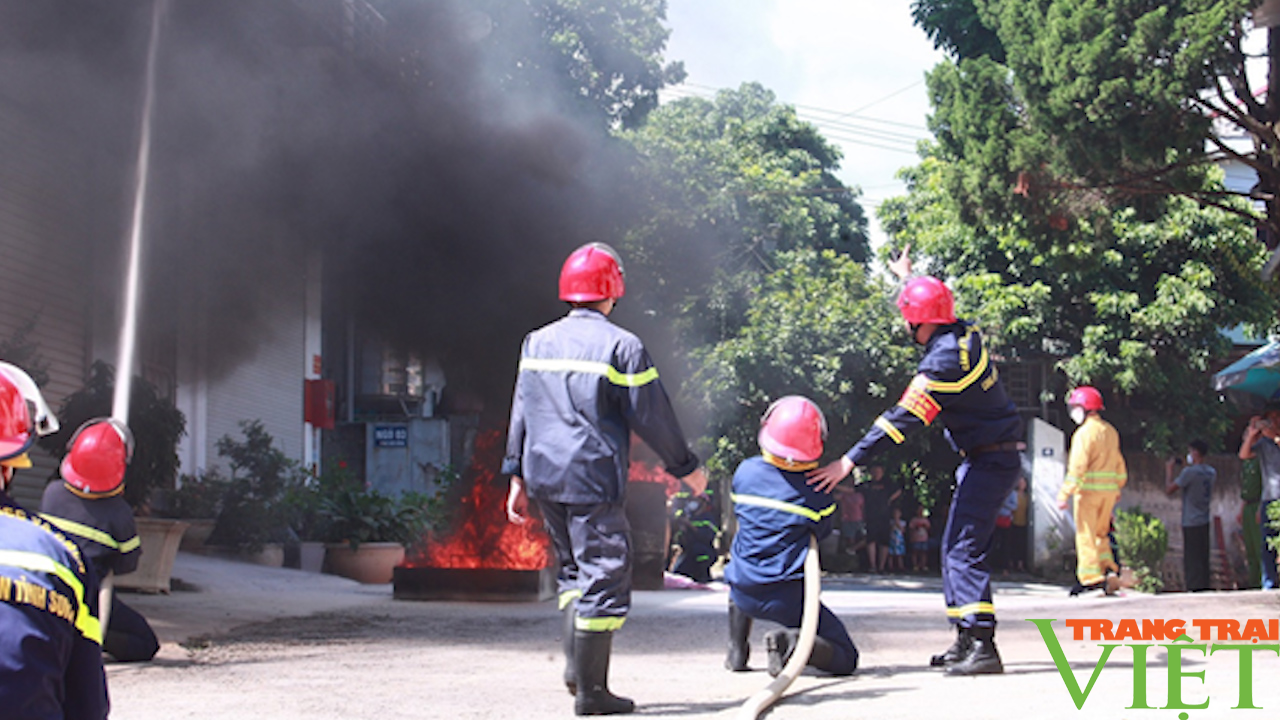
(957, 384)
(777, 512)
(696, 526)
(50, 639)
(584, 384)
(88, 506)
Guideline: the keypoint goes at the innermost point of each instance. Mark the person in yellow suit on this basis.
(1095, 475)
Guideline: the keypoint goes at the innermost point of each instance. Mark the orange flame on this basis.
(482, 537)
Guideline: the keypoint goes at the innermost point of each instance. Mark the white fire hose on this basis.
(104, 601)
(757, 703)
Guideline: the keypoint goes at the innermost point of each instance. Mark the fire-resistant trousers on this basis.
(783, 603)
(1092, 511)
(983, 482)
(593, 554)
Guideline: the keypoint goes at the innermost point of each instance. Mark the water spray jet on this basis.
(128, 339)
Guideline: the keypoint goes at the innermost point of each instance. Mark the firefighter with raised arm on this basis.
(87, 504)
(50, 639)
(956, 384)
(583, 386)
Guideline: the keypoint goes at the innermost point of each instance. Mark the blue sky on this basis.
(855, 68)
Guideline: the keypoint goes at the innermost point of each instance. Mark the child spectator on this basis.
(897, 541)
(918, 531)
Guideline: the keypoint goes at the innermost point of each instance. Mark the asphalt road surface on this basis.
(241, 641)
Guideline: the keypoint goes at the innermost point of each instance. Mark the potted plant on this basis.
(156, 425)
(197, 501)
(255, 521)
(367, 530)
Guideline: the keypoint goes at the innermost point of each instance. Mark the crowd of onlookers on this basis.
(882, 529)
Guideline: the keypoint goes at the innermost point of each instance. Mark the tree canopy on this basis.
(1105, 102)
(1134, 305)
(730, 183)
(819, 325)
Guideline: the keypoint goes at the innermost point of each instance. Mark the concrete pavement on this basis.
(282, 644)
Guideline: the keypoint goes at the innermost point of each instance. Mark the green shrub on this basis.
(199, 496)
(1143, 541)
(255, 508)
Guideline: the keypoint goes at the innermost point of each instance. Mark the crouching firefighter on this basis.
(583, 386)
(777, 512)
(50, 639)
(87, 504)
(695, 523)
(957, 384)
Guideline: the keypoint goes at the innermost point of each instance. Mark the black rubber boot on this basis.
(591, 652)
(739, 639)
(566, 633)
(780, 644)
(956, 652)
(983, 658)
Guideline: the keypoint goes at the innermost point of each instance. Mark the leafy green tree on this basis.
(1104, 103)
(730, 183)
(604, 54)
(820, 326)
(1129, 303)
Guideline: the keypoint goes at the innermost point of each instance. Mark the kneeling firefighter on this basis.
(777, 512)
(87, 504)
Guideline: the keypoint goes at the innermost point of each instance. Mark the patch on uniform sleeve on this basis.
(917, 400)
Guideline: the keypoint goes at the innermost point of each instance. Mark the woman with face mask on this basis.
(1095, 475)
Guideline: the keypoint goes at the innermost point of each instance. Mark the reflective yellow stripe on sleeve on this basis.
(756, 500)
(964, 382)
(85, 622)
(589, 367)
(91, 533)
(894, 433)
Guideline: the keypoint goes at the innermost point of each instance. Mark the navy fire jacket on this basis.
(50, 638)
(103, 527)
(777, 511)
(955, 383)
(583, 386)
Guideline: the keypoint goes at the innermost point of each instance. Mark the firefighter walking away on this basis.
(583, 386)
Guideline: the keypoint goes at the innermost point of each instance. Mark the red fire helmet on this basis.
(97, 455)
(592, 272)
(926, 299)
(794, 429)
(24, 416)
(1086, 397)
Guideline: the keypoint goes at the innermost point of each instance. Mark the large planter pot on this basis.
(197, 534)
(371, 563)
(160, 539)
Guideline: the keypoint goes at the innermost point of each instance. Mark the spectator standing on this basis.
(1260, 441)
(853, 526)
(1018, 531)
(1250, 530)
(897, 541)
(918, 534)
(1196, 483)
(879, 494)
